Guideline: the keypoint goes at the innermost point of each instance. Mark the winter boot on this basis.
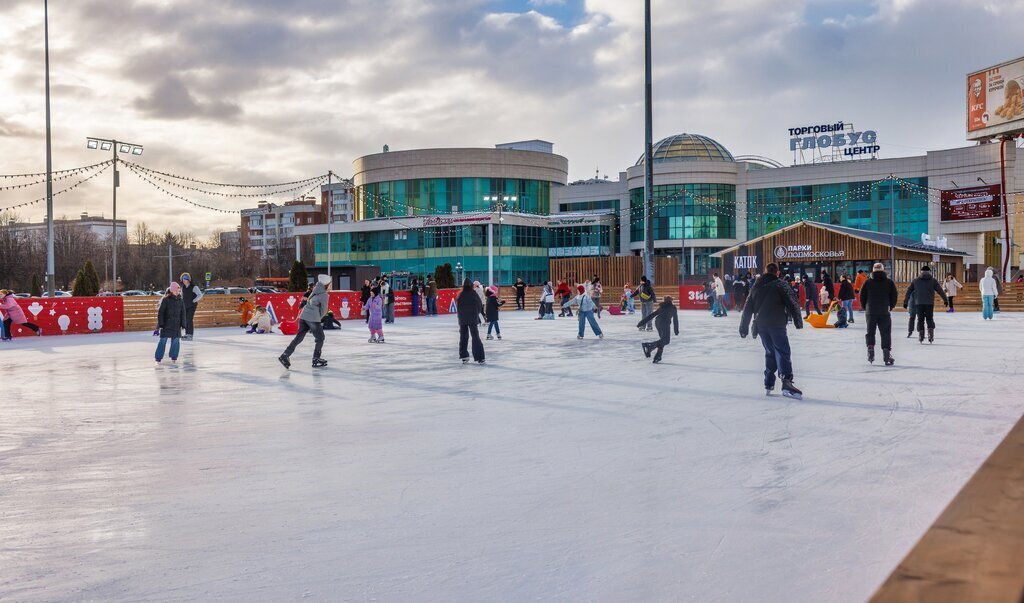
(931, 335)
(790, 391)
(284, 361)
(871, 354)
(319, 362)
(887, 356)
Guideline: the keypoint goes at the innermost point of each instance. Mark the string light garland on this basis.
(70, 188)
(144, 177)
(38, 174)
(208, 183)
(70, 174)
(151, 173)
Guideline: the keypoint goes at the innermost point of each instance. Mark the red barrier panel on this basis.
(346, 304)
(691, 297)
(71, 315)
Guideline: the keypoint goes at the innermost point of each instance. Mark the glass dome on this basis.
(688, 147)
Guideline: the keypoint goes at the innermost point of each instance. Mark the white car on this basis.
(57, 294)
(132, 293)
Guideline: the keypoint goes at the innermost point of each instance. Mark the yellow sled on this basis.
(820, 321)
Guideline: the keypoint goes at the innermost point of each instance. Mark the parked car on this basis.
(264, 289)
(215, 291)
(22, 295)
(237, 291)
(58, 294)
(133, 293)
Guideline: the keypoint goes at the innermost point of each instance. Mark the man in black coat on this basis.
(664, 316)
(364, 296)
(826, 281)
(878, 296)
(924, 289)
(769, 305)
(811, 293)
(469, 311)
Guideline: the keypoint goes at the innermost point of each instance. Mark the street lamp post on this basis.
(115, 147)
(330, 218)
(499, 202)
(50, 271)
(648, 151)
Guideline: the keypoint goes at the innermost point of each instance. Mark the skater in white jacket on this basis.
(989, 291)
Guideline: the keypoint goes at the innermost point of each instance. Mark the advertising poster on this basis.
(972, 203)
(995, 101)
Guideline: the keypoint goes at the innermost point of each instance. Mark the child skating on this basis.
(14, 315)
(665, 315)
(261, 322)
(375, 308)
(491, 310)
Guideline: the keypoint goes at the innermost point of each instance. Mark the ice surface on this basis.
(561, 470)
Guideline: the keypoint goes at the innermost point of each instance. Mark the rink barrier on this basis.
(81, 315)
(975, 549)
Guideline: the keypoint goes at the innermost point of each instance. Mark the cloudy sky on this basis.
(276, 90)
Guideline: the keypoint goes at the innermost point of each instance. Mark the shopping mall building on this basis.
(512, 205)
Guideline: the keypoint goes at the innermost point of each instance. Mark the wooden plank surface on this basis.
(975, 550)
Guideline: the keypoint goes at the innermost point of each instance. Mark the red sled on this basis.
(614, 310)
(288, 327)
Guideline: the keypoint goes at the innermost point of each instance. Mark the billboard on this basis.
(995, 101)
(973, 203)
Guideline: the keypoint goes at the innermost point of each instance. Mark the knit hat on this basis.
(493, 289)
(878, 267)
(581, 288)
(174, 288)
(926, 269)
(325, 279)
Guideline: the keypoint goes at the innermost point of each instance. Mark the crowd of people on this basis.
(768, 303)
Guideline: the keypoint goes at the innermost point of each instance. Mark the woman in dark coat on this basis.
(469, 311)
(364, 296)
(170, 321)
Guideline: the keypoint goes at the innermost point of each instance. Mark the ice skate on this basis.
(319, 362)
(380, 340)
(871, 354)
(920, 336)
(647, 349)
(656, 361)
(790, 391)
(490, 337)
(768, 389)
(481, 362)
(579, 337)
(931, 335)
(887, 356)
(371, 340)
(465, 360)
(284, 361)
(499, 337)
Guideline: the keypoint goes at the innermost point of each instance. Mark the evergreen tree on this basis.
(297, 277)
(35, 288)
(87, 282)
(444, 277)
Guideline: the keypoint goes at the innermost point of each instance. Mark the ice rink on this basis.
(562, 470)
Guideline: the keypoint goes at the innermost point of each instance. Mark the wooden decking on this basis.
(975, 550)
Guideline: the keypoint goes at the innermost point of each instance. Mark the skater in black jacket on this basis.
(878, 296)
(665, 315)
(491, 310)
(924, 289)
(469, 311)
(769, 305)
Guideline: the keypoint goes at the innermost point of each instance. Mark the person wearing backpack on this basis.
(646, 294)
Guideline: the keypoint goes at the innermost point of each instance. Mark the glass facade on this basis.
(710, 211)
(855, 204)
(519, 251)
(580, 241)
(427, 196)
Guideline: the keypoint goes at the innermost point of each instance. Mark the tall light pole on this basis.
(50, 276)
(330, 218)
(115, 147)
(648, 151)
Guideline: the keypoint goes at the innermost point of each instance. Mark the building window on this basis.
(710, 212)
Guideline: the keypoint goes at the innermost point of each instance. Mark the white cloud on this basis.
(266, 90)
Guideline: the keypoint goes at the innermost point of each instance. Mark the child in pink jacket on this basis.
(14, 315)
